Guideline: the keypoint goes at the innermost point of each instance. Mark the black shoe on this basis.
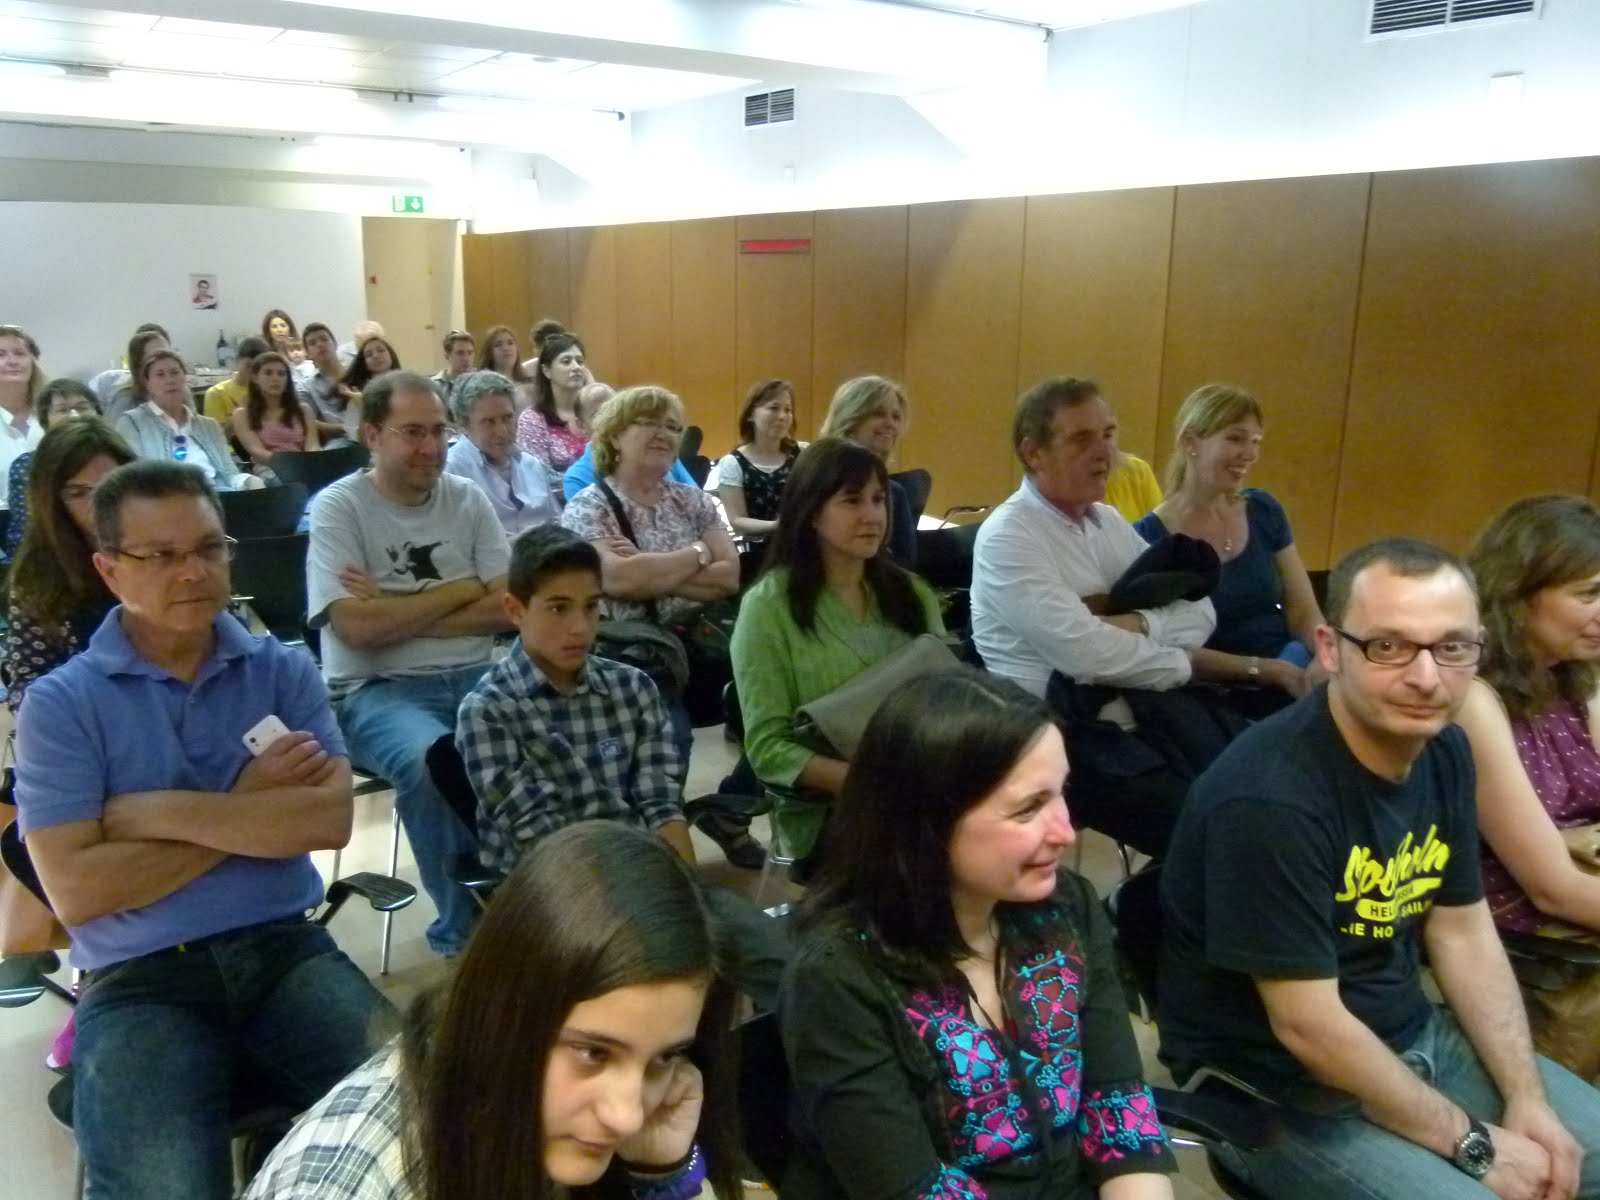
(733, 836)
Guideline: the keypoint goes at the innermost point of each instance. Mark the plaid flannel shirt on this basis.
(540, 760)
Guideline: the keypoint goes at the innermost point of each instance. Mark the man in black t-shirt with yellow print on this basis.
(1311, 865)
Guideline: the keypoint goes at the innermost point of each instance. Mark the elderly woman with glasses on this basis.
(664, 551)
(167, 427)
(523, 491)
(61, 400)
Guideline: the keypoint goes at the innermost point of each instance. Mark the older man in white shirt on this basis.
(523, 491)
(1045, 560)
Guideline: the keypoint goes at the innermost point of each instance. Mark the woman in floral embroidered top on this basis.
(550, 430)
(953, 1019)
(1531, 718)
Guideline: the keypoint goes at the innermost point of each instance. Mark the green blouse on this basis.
(777, 666)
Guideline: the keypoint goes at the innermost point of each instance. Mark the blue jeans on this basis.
(1352, 1159)
(164, 1039)
(388, 726)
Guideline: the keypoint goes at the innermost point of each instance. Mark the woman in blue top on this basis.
(1266, 611)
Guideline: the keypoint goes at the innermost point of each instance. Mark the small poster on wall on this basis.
(203, 291)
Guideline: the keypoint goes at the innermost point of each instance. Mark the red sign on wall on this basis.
(775, 246)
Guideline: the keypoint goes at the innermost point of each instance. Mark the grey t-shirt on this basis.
(453, 535)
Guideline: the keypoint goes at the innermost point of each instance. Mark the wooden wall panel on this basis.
(547, 287)
(592, 259)
(509, 253)
(1476, 353)
(644, 304)
(773, 314)
(963, 312)
(704, 365)
(858, 313)
(477, 278)
(1094, 299)
(1263, 293)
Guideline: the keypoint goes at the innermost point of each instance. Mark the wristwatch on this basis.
(702, 553)
(1474, 1152)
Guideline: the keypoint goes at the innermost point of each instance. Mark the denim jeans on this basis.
(1352, 1159)
(164, 1039)
(388, 726)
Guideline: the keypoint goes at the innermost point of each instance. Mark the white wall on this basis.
(1224, 89)
(80, 277)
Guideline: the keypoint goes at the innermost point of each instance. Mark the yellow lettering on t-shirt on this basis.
(1394, 887)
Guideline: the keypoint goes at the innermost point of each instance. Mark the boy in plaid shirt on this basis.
(553, 735)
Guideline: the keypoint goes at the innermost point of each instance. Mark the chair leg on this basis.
(1127, 859)
(394, 869)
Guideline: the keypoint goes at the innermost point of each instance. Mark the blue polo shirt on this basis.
(107, 722)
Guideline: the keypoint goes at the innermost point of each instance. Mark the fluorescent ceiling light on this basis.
(360, 145)
(1074, 14)
(194, 88)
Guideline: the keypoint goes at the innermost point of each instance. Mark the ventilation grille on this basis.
(1408, 16)
(768, 108)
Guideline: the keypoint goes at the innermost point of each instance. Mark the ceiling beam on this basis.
(852, 45)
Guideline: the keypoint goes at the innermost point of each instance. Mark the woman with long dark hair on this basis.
(279, 329)
(501, 353)
(1531, 717)
(550, 430)
(831, 603)
(953, 1018)
(274, 417)
(57, 597)
(376, 357)
(579, 1050)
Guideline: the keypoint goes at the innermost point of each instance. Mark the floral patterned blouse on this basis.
(901, 1092)
(34, 648)
(555, 445)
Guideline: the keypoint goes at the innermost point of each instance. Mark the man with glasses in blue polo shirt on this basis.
(179, 863)
(406, 578)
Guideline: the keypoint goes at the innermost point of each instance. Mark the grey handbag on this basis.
(833, 724)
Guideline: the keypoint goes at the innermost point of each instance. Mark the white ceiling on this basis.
(66, 34)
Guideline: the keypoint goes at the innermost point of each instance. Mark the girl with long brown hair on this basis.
(578, 1051)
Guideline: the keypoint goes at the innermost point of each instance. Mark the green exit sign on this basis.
(405, 204)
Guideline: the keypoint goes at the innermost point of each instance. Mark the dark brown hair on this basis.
(592, 908)
(1036, 408)
(826, 467)
(255, 408)
(266, 325)
(357, 375)
(767, 389)
(486, 355)
(552, 348)
(54, 576)
(1537, 543)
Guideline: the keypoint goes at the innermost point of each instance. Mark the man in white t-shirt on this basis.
(406, 579)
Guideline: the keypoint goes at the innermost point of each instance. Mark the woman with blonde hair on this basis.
(1531, 717)
(874, 411)
(21, 381)
(1266, 610)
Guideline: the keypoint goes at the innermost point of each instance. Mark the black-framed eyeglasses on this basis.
(212, 554)
(1398, 652)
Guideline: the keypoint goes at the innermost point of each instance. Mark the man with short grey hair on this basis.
(523, 491)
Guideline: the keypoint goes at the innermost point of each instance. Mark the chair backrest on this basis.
(272, 572)
(316, 469)
(944, 556)
(699, 468)
(689, 446)
(764, 1088)
(449, 775)
(918, 484)
(1134, 906)
(263, 512)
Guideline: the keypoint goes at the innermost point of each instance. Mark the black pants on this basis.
(1136, 810)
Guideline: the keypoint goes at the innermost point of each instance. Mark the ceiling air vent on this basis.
(1411, 16)
(769, 108)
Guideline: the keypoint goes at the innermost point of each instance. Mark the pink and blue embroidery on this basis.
(987, 1114)
(1115, 1124)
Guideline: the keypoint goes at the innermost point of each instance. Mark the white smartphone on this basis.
(262, 734)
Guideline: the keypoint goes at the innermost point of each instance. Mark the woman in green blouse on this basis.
(830, 605)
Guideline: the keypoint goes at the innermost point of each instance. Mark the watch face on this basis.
(1475, 1153)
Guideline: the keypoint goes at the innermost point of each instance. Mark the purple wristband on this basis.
(683, 1184)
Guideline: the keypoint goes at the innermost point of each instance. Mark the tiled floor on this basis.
(36, 1162)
